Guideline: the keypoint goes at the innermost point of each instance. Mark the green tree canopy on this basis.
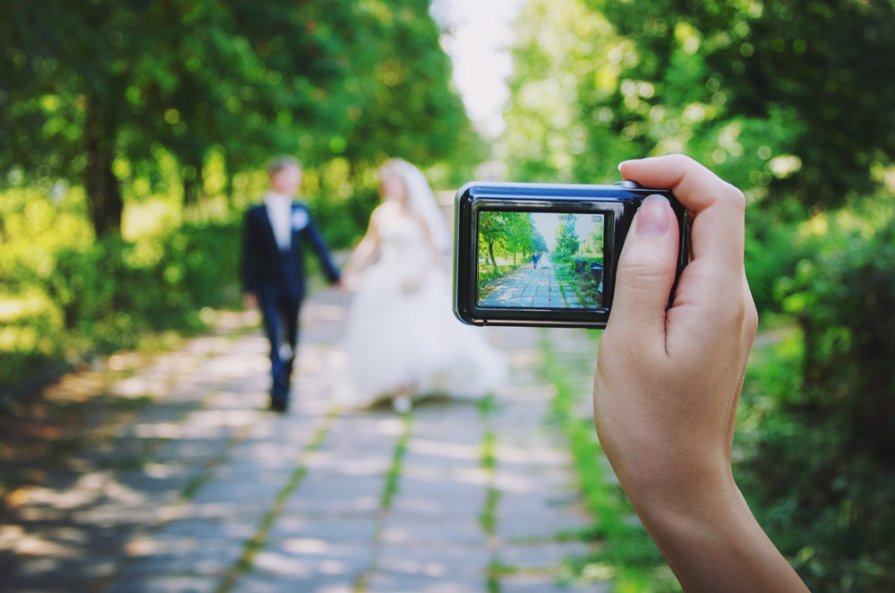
(95, 92)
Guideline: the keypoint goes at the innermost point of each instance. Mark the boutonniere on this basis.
(299, 220)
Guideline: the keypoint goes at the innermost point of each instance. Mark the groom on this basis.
(275, 234)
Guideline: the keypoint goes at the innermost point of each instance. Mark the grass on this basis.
(628, 555)
(583, 287)
(386, 499)
(488, 462)
(393, 478)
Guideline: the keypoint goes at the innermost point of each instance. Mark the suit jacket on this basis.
(268, 270)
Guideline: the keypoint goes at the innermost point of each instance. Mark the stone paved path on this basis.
(168, 475)
(531, 287)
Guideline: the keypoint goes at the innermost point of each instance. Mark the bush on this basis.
(112, 292)
(820, 470)
(772, 253)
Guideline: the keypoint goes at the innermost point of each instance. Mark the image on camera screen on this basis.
(540, 260)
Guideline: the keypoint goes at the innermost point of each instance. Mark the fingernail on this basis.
(652, 217)
(621, 164)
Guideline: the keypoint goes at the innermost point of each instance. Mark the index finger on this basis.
(718, 208)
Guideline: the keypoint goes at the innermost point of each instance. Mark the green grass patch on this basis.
(393, 478)
(488, 460)
(628, 557)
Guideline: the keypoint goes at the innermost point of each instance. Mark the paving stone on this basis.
(54, 571)
(352, 528)
(165, 584)
(386, 582)
(540, 525)
(408, 528)
(265, 583)
(540, 556)
(546, 584)
(332, 494)
(183, 557)
(304, 558)
(525, 502)
(440, 561)
(222, 527)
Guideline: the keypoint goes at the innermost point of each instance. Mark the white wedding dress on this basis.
(401, 330)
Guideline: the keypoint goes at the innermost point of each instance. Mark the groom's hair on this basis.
(277, 164)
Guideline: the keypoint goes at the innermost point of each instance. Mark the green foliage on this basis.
(557, 44)
(510, 236)
(566, 238)
(791, 102)
(108, 294)
(156, 113)
(103, 93)
(771, 256)
(112, 292)
(831, 420)
(781, 99)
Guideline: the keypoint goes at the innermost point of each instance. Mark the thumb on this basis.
(646, 272)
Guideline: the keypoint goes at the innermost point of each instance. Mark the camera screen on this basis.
(550, 260)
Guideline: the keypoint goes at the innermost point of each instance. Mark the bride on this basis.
(402, 340)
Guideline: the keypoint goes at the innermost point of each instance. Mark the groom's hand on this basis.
(250, 300)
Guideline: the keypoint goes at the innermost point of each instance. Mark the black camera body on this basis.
(545, 254)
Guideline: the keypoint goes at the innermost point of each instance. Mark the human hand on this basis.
(250, 300)
(349, 282)
(668, 381)
(413, 283)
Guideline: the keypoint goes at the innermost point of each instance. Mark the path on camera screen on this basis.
(531, 287)
(167, 474)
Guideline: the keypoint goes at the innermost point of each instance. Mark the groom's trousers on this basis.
(280, 313)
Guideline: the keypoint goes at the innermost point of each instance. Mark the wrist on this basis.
(713, 543)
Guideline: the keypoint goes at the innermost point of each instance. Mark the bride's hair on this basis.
(420, 199)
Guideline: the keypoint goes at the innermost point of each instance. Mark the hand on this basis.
(250, 300)
(668, 382)
(349, 282)
(413, 283)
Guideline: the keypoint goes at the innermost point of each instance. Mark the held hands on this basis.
(250, 300)
(668, 382)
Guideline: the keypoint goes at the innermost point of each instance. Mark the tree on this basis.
(405, 91)
(558, 44)
(508, 234)
(566, 237)
(796, 94)
(98, 91)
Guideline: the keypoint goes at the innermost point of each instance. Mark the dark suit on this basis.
(278, 279)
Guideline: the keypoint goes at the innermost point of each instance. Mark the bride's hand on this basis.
(349, 282)
(413, 283)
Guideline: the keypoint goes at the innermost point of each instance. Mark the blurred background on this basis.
(133, 135)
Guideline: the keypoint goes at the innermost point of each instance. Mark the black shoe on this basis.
(279, 404)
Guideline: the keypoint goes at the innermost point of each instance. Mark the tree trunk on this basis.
(103, 190)
(192, 184)
(228, 189)
(491, 253)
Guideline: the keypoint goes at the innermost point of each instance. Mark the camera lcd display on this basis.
(540, 260)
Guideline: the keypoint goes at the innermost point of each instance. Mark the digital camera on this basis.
(545, 254)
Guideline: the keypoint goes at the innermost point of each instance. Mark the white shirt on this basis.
(279, 211)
